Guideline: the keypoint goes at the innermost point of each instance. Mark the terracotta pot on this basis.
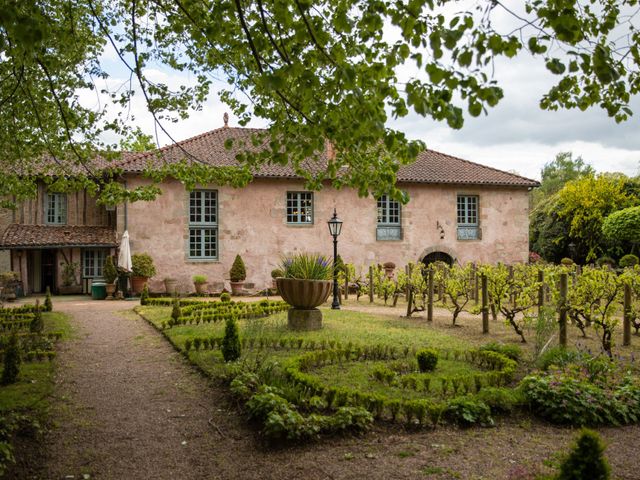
(137, 284)
(304, 294)
(237, 288)
(200, 288)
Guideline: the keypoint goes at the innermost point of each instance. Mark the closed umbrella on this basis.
(124, 258)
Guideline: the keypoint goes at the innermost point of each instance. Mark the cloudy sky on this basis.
(515, 136)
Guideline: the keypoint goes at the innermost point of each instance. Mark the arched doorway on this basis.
(437, 257)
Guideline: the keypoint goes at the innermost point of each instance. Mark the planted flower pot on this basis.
(111, 289)
(237, 288)
(137, 284)
(201, 288)
(303, 294)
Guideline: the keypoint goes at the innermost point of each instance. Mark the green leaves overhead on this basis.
(317, 71)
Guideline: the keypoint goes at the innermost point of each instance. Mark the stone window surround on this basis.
(298, 198)
(202, 226)
(388, 209)
(474, 228)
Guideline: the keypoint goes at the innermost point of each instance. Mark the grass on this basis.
(342, 325)
(35, 382)
(338, 326)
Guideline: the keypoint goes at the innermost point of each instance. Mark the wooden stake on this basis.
(540, 291)
(562, 321)
(485, 305)
(370, 283)
(430, 296)
(626, 321)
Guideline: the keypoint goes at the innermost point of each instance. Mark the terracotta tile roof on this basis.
(37, 236)
(436, 167)
(209, 148)
(430, 167)
(47, 165)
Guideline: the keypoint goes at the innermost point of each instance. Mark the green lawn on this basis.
(338, 326)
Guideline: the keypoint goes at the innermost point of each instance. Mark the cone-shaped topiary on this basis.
(37, 325)
(48, 304)
(144, 296)
(11, 361)
(176, 313)
(586, 459)
(238, 273)
(231, 341)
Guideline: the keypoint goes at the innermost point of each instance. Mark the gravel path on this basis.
(128, 407)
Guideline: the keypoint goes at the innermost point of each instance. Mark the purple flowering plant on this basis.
(307, 266)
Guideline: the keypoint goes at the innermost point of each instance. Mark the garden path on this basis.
(127, 406)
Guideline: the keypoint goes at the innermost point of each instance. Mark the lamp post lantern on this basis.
(335, 227)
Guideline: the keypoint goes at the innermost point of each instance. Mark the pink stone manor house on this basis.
(458, 211)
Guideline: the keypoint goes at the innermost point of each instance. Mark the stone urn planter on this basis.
(170, 285)
(111, 289)
(304, 296)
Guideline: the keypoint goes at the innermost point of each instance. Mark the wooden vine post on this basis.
(370, 283)
(626, 319)
(485, 304)
(346, 282)
(430, 296)
(409, 300)
(407, 289)
(476, 284)
(562, 322)
(540, 292)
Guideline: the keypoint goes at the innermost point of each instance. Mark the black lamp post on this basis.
(572, 251)
(335, 227)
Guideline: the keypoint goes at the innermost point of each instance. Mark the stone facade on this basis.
(252, 223)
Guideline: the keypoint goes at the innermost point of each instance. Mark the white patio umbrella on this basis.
(124, 257)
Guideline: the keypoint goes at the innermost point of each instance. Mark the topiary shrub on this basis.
(629, 260)
(238, 272)
(225, 297)
(142, 265)
(586, 459)
(277, 273)
(11, 361)
(48, 304)
(511, 351)
(109, 271)
(606, 260)
(144, 296)
(427, 359)
(566, 261)
(176, 313)
(231, 341)
(37, 325)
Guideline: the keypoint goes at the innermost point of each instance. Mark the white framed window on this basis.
(468, 218)
(203, 224)
(389, 226)
(93, 262)
(300, 208)
(56, 208)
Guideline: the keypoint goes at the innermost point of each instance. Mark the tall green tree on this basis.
(316, 71)
(556, 173)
